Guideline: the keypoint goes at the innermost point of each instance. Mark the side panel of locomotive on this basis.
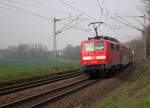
(114, 54)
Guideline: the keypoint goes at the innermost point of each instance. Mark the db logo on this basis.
(94, 62)
(93, 57)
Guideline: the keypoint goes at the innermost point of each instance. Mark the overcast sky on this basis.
(18, 26)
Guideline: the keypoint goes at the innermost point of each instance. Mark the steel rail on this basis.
(42, 98)
(53, 99)
(37, 76)
(25, 86)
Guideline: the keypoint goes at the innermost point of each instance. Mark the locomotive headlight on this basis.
(100, 57)
(87, 58)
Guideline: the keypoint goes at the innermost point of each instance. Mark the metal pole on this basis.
(144, 40)
(55, 42)
(133, 48)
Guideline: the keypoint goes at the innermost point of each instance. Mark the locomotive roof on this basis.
(106, 38)
(103, 38)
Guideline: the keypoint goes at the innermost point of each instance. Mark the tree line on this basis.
(147, 29)
(39, 51)
(137, 45)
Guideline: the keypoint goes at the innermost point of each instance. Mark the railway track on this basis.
(41, 99)
(8, 82)
(16, 88)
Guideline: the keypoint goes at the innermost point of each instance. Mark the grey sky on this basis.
(18, 27)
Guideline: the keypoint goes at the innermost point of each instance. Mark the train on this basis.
(103, 56)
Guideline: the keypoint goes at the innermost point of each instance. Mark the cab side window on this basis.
(109, 45)
(118, 48)
(112, 46)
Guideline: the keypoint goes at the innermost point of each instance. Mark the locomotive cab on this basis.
(103, 56)
(94, 56)
(93, 52)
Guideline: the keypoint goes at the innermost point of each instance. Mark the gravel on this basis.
(36, 90)
(98, 91)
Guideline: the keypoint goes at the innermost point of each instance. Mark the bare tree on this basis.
(72, 53)
(25, 51)
(147, 29)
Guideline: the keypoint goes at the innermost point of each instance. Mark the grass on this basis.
(135, 93)
(14, 69)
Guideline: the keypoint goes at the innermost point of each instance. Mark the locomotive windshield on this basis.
(93, 46)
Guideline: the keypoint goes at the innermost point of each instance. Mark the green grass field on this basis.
(135, 93)
(13, 69)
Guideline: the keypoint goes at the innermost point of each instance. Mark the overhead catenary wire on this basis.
(111, 27)
(48, 7)
(39, 5)
(44, 5)
(63, 28)
(99, 6)
(25, 11)
(106, 10)
(74, 27)
(136, 17)
(101, 9)
(123, 21)
(75, 9)
(117, 20)
(10, 6)
(103, 14)
(3, 6)
(69, 26)
(20, 3)
(76, 23)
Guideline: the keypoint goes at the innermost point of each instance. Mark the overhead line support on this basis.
(55, 40)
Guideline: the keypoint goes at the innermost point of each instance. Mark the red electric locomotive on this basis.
(101, 55)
